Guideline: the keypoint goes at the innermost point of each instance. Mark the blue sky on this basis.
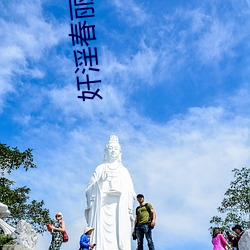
(175, 87)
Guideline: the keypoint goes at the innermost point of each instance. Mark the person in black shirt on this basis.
(236, 237)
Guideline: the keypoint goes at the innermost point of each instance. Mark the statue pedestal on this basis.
(13, 247)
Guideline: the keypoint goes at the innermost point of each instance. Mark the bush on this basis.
(6, 240)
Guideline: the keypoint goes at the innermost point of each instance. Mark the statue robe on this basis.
(110, 197)
(244, 242)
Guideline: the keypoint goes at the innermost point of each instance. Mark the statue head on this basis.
(4, 211)
(113, 150)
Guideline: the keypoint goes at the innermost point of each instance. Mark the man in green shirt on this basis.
(144, 223)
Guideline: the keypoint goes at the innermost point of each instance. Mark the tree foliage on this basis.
(235, 207)
(17, 199)
(6, 239)
(12, 159)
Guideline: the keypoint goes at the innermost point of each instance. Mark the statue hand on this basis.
(132, 217)
(104, 176)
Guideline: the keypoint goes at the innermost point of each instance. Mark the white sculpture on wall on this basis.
(244, 242)
(23, 234)
(110, 197)
(4, 212)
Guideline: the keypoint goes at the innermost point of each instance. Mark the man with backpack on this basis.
(144, 223)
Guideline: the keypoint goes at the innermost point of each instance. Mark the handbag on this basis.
(65, 236)
(49, 227)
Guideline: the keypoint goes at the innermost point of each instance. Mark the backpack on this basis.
(149, 212)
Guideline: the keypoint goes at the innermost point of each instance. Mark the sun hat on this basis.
(59, 213)
(87, 229)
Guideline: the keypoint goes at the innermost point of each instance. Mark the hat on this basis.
(59, 213)
(87, 229)
(237, 227)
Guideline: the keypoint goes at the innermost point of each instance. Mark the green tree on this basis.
(17, 199)
(235, 207)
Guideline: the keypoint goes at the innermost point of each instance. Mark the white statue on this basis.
(110, 197)
(244, 242)
(25, 235)
(4, 212)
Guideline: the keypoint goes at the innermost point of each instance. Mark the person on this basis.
(110, 198)
(231, 240)
(239, 231)
(142, 226)
(85, 239)
(218, 240)
(56, 231)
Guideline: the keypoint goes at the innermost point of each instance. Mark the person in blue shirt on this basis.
(84, 240)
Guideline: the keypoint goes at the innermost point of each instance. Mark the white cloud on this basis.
(198, 33)
(23, 40)
(217, 42)
(198, 20)
(239, 102)
(131, 12)
(143, 64)
(66, 99)
(132, 71)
